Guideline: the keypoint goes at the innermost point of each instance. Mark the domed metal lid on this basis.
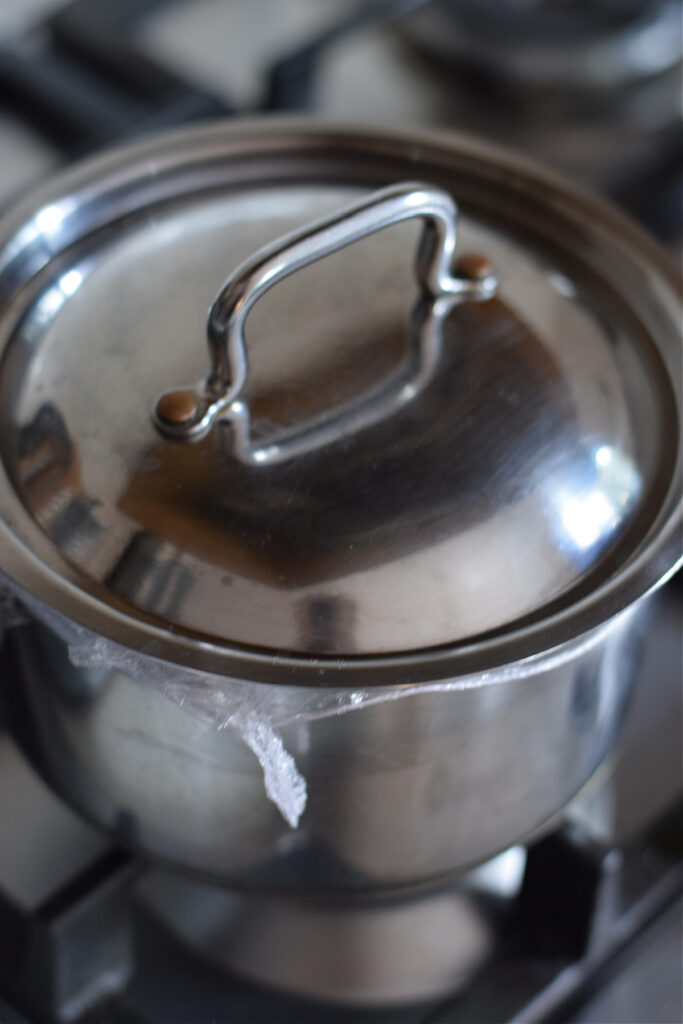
(398, 458)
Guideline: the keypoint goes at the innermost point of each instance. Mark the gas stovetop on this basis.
(594, 89)
(585, 923)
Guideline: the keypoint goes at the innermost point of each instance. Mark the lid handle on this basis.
(190, 413)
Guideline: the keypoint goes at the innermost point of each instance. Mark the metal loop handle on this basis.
(189, 414)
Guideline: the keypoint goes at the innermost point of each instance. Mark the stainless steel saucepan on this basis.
(361, 607)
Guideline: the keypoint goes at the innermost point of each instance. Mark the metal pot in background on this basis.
(593, 89)
(358, 610)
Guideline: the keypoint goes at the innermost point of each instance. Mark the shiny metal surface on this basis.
(351, 954)
(529, 490)
(399, 792)
(592, 89)
(565, 49)
(219, 398)
(522, 498)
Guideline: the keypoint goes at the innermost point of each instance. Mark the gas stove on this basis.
(592, 88)
(584, 923)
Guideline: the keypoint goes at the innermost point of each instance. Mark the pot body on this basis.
(400, 790)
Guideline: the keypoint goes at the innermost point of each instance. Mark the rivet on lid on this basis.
(473, 266)
(177, 407)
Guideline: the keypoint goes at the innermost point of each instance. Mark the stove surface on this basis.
(91, 72)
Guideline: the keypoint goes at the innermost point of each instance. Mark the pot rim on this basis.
(659, 556)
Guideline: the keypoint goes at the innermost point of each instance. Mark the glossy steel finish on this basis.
(352, 953)
(399, 792)
(413, 630)
(220, 397)
(526, 491)
(564, 50)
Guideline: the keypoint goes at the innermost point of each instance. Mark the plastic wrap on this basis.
(257, 712)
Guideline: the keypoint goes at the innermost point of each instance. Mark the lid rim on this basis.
(571, 626)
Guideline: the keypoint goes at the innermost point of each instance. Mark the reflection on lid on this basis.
(591, 513)
(50, 476)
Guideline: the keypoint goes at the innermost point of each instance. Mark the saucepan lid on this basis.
(277, 397)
